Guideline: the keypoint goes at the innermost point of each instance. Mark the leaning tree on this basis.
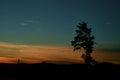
(84, 40)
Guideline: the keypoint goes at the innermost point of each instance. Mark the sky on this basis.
(53, 22)
(10, 53)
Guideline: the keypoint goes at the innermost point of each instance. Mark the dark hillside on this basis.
(58, 71)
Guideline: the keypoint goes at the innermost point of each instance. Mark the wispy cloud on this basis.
(56, 54)
(108, 23)
(30, 53)
(26, 22)
(29, 21)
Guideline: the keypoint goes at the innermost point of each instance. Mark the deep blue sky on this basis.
(52, 22)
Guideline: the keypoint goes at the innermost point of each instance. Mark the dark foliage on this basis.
(85, 40)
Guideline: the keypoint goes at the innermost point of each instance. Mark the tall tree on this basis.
(84, 40)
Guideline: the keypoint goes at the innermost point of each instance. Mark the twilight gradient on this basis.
(42, 30)
(9, 53)
(52, 22)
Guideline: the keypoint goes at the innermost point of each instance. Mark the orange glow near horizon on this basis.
(9, 53)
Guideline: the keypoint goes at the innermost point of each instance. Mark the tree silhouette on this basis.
(84, 40)
(18, 61)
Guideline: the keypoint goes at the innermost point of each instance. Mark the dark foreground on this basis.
(48, 71)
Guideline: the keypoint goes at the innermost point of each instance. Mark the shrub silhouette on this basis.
(84, 40)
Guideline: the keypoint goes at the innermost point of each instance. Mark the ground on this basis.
(58, 71)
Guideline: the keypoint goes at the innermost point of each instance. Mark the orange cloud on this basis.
(106, 56)
(9, 53)
(33, 54)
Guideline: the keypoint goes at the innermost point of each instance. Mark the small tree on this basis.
(84, 40)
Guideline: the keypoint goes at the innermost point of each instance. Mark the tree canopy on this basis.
(85, 40)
